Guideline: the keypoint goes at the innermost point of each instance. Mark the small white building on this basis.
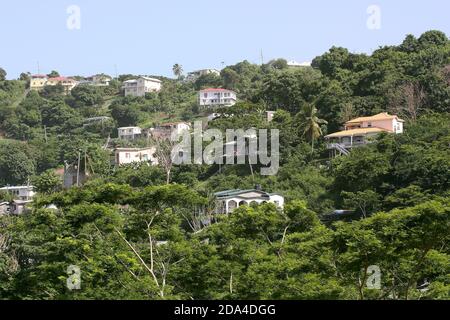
(295, 64)
(129, 133)
(135, 155)
(20, 206)
(99, 80)
(270, 115)
(194, 75)
(24, 193)
(228, 201)
(215, 97)
(140, 86)
(164, 131)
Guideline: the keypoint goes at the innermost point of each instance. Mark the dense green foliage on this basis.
(135, 237)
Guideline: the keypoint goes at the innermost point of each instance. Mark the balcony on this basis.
(347, 145)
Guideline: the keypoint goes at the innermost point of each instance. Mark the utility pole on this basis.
(38, 68)
(262, 57)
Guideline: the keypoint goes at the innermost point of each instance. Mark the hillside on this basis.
(137, 237)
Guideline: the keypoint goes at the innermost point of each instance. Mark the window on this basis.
(369, 124)
(205, 95)
(127, 155)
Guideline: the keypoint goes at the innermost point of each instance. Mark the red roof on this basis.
(60, 79)
(39, 76)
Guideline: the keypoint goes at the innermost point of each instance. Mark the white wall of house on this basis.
(216, 97)
(270, 115)
(140, 86)
(132, 155)
(129, 132)
(277, 199)
(194, 75)
(20, 192)
(229, 204)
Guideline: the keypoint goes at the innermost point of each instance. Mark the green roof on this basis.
(235, 192)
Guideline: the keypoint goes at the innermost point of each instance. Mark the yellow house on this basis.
(67, 83)
(38, 82)
(359, 131)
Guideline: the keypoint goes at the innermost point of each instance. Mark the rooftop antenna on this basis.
(115, 70)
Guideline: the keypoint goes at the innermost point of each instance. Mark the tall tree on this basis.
(53, 74)
(310, 123)
(177, 70)
(2, 74)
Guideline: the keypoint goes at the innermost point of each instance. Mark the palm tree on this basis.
(177, 70)
(310, 123)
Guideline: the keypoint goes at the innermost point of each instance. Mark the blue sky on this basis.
(149, 36)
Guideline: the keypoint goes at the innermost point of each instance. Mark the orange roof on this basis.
(378, 117)
(356, 132)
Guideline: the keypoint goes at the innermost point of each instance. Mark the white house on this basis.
(24, 193)
(99, 80)
(295, 64)
(135, 155)
(228, 201)
(164, 131)
(140, 86)
(194, 75)
(214, 97)
(129, 133)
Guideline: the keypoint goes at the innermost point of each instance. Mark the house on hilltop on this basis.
(194, 75)
(39, 81)
(99, 80)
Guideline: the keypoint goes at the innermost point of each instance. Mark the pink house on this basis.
(359, 131)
